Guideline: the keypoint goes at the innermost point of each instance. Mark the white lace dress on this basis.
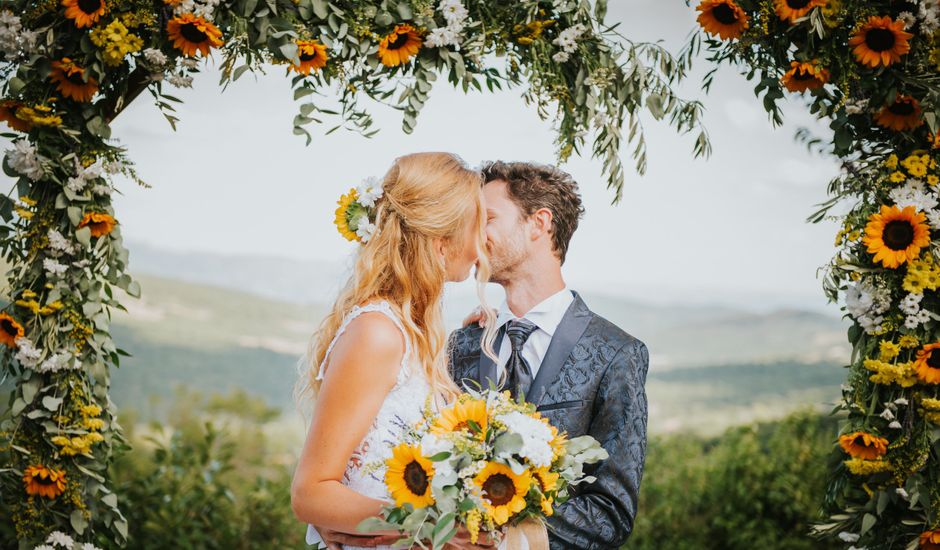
(402, 408)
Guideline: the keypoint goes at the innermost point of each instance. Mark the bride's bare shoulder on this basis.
(372, 345)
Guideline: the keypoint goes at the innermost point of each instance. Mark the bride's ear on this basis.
(441, 247)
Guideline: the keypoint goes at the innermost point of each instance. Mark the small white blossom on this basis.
(567, 39)
(23, 159)
(913, 194)
(364, 228)
(15, 41)
(442, 36)
(561, 57)
(902, 493)
(43, 547)
(53, 267)
(56, 362)
(908, 19)
(536, 437)
(895, 425)
(369, 191)
(181, 81)
(901, 401)
(26, 352)
(101, 189)
(60, 539)
(59, 243)
(848, 537)
(856, 107)
(155, 56)
(454, 12)
(887, 414)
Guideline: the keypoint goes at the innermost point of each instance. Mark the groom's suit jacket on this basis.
(591, 381)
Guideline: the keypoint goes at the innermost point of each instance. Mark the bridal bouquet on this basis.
(484, 462)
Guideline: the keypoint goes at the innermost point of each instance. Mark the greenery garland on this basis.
(70, 66)
(872, 69)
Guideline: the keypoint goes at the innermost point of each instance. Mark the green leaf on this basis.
(83, 236)
(320, 9)
(29, 390)
(78, 521)
(51, 403)
(133, 288)
(868, 521)
(75, 214)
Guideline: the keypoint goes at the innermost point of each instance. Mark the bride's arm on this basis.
(362, 369)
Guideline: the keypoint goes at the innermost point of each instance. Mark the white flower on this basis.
(189, 63)
(180, 81)
(536, 437)
(431, 444)
(911, 303)
(568, 38)
(89, 546)
(895, 425)
(858, 301)
(14, 40)
(26, 353)
(113, 166)
(155, 56)
(85, 262)
(76, 184)
(60, 539)
(913, 194)
(23, 159)
(369, 191)
(56, 362)
(856, 107)
(901, 401)
(454, 12)
(908, 19)
(902, 493)
(933, 218)
(887, 414)
(440, 37)
(53, 267)
(364, 228)
(561, 57)
(101, 189)
(44, 547)
(849, 537)
(59, 243)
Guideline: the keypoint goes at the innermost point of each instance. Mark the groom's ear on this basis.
(542, 221)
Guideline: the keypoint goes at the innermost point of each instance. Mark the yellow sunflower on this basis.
(399, 46)
(863, 445)
(791, 10)
(8, 114)
(548, 482)
(84, 13)
(45, 482)
(10, 330)
(896, 236)
(928, 365)
(313, 56)
(99, 222)
(880, 41)
(930, 540)
(409, 475)
(722, 18)
(902, 115)
(458, 416)
(342, 215)
(933, 140)
(71, 81)
(804, 76)
(503, 491)
(191, 34)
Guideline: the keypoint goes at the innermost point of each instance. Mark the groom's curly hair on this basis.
(535, 186)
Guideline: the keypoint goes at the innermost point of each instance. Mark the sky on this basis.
(233, 179)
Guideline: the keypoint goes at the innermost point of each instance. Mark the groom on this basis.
(584, 374)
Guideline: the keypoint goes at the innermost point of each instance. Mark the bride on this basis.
(380, 355)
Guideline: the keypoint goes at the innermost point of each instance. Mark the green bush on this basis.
(757, 486)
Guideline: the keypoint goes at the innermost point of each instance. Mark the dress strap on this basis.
(356, 311)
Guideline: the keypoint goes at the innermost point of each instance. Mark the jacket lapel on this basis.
(569, 331)
(487, 367)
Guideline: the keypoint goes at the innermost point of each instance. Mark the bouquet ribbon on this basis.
(528, 535)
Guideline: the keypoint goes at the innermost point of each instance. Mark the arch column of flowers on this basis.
(69, 67)
(872, 70)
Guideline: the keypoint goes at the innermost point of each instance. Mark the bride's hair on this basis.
(426, 196)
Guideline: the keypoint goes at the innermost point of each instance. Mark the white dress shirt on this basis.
(546, 316)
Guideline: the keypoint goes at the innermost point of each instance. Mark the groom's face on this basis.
(506, 230)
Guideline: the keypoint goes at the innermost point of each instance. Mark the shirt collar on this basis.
(546, 315)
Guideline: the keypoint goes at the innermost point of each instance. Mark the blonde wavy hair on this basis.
(427, 196)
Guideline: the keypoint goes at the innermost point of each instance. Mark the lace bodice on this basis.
(401, 409)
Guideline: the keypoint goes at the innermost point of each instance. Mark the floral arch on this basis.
(69, 67)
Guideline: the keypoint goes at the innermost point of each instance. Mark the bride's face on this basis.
(460, 258)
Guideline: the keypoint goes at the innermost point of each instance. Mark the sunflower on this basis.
(342, 215)
(930, 540)
(880, 41)
(191, 34)
(895, 236)
(10, 330)
(902, 115)
(8, 114)
(804, 76)
(45, 482)
(71, 81)
(457, 417)
(84, 13)
(503, 491)
(928, 365)
(312, 56)
(408, 477)
(934, 140)
(99, 222)
(791, 10)
(547, 481)
(863, 445)
(399, 46)
(722, 18)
